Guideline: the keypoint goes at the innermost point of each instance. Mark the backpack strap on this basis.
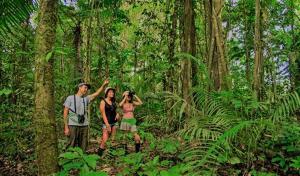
(75, 104)
(84, 106)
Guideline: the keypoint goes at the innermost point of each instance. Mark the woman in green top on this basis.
(128, 122)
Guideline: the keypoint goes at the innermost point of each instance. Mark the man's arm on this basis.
(94, 95)
(66, 127)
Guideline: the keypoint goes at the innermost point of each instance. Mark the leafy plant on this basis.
(131, 163)
(256, 173)
(168, 145)
(75, 159)
(296, 162)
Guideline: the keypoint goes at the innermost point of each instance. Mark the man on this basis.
(76, 115)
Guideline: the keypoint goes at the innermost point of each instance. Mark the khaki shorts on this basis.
(128, 124)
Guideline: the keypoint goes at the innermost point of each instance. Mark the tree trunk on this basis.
(44, 117)
(187, 48)
(169, 79)
(100, 48)
(171, 48)
(294, 60)
(87, 50)
(77, 44)
(216, 57)
(246, 43)
(135, 56)
(258, 60)
(195, 80)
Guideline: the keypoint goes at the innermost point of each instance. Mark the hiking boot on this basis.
(100, 151)
(137, 147)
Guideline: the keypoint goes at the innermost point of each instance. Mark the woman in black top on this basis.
(109, 114)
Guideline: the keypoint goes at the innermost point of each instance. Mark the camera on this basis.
(80, 118)
(131, 93)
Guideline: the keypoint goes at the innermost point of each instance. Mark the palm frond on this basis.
(13, 14)
(204, 154)
(288, 104)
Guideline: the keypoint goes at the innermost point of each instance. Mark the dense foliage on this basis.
(140, 45)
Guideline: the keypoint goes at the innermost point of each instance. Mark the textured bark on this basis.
(135, 55)
(195, 80)
(44, 118)
(187, 48)
(258, 60)
(169, 80)
(100, 48)
(171, 48)
(87, 50)
(77, 44)
(246, 42)
(294, 60)
(216, 57)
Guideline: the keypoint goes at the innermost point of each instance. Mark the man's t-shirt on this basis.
(81, 108)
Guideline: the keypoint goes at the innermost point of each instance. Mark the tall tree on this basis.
(187, 47)
(216, 57)
(87, 48)
(294, 60)
(258, 59)
(44, 118)
(247, 29)
(77, 45)
(170, 74)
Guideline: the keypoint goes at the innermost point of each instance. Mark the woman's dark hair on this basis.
(130, 94)
(113, 99)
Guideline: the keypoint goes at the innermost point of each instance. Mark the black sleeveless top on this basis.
(110, 112)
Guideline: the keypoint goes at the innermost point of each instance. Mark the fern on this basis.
(202, 155)
(288, 105)
(13, 14)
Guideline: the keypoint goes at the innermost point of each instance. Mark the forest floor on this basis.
(22, 166)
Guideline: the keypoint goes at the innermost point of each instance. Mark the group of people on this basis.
(76, 120)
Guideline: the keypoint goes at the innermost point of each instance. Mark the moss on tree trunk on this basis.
(44, 117)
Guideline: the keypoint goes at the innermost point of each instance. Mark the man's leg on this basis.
(72, 138)
(83, 138)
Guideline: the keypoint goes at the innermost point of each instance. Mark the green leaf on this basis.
(95, 174)
(5, 92)
(166, 162)
(77, 150)
(84, 169)
(164, 173)
(234, 160)
(296, 163)
(156, 160)
(69, 155)
(48, 56)
(91, 160)
(73, 165)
